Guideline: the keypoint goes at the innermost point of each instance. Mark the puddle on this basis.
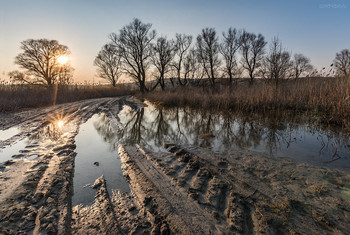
(48, 136)
(93, 147)
(11, 150)
(7, 134)
(53, 132)
(274, 136)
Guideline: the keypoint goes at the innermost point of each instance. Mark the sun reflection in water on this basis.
(60, 123)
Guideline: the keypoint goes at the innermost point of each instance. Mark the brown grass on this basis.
(15, 97)
(326, 99)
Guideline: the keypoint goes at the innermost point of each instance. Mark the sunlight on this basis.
(60, 124)
(62, 59)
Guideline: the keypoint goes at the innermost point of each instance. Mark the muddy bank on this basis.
(36, 192)
(184, 190)
(193, 191)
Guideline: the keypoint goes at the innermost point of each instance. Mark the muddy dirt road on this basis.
(186, 190)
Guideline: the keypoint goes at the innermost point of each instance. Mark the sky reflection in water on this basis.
(300, 141)
(92, 147)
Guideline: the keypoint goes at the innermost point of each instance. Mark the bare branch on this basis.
(229, 46)
(108, 62)
(253, 50)
(208, 53)
(39, 60)
(342, 63)
(162, 56)
(134, 45)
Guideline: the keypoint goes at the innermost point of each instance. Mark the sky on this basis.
(315, 28)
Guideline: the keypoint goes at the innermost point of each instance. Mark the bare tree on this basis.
(40, 61)
(182, 44)
(228, 48)
(163, 54)
(208, 52)
(134, 44)
(65, 76)
(277, 63)
(108, 64)
(342, 63)
(301, 64)
(253, 50)
(191, 66)
(19, 77)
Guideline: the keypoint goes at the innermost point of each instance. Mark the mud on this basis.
(185, 190)
(36, 186)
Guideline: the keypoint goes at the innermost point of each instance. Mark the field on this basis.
(180, 118)
(181, 190)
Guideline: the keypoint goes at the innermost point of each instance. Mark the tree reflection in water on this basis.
(276, 135)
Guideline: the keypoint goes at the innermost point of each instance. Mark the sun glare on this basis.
(62, 59)
(60, 124)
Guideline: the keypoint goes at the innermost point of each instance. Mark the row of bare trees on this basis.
(138, 53)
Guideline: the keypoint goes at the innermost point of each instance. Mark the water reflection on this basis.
(50, 134)
(6, 134)
(293, 138)
(96, 156)
(53, 131)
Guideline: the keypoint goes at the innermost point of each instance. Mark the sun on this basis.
(62, 59)
(60, 124)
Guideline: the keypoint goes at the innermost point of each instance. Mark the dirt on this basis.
(186, 190)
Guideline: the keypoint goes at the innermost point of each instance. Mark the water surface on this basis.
(276, 136)
(95, 157)
(12, 150)
(8, 133)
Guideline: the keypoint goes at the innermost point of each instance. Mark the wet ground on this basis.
(105, 166)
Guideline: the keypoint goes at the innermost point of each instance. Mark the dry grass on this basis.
(327, 99)
(318, 189)
(15, 97)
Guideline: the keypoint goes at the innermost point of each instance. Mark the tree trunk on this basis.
(230, 74)
(251, 77)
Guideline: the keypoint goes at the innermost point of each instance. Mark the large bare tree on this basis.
(108, 64)
(301, 65)
(182, 45)
(40, 60)
(253, 50)
(208, 53)
(277, 64)
(229, 46)
(162, 56)
(134, 45)
(342, 63)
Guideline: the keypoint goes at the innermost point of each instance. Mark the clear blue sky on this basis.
(316, 28)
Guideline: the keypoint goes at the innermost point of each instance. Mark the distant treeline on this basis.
(136, 52)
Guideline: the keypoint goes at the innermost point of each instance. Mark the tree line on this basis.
(151, 61)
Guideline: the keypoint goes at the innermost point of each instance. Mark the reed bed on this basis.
(15, 97)
(325, 99)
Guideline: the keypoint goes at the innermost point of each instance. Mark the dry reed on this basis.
(326, 99)
(15, 97)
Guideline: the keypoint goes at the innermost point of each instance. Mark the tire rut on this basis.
(170, 201)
